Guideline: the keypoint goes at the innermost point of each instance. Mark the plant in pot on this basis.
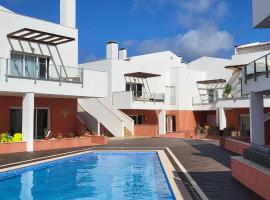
(227, 90)
(200, 131)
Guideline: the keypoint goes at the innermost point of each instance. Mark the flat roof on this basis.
(31, 35)
(212, 81)
(142, 75)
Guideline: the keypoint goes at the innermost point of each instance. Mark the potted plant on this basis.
(227, 90)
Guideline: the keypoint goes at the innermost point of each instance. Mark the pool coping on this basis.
(179, 190)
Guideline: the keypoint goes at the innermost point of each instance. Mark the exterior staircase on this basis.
(115, 121)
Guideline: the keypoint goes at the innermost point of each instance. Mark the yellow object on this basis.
(3, 137)
(17, 137)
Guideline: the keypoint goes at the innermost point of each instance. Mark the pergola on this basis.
(31, 35)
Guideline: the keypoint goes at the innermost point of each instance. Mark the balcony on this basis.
(256, 75)
(138, 100)
(42, 71)
(47, 79)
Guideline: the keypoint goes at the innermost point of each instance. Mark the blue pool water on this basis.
(116, 175)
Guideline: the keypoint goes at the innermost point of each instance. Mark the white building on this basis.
(155, 91)
(39, 76)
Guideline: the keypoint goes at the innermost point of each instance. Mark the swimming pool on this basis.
(97, 175)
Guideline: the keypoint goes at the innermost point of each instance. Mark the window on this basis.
(41, 122)
(138, 119)
(245, 122)
(172, 94)
(136, 88)
(29, 66)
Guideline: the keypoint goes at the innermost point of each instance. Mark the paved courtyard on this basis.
(207, 164)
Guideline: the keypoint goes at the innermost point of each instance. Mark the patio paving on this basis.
(207, 164)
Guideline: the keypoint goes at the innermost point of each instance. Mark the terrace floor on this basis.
(206, 163)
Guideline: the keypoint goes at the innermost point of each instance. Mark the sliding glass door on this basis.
(41, 122)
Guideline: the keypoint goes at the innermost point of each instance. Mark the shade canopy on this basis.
(214, 81)
(37, 36)
(141, 75)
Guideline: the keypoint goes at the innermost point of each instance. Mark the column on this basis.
(162, 122)
(28, 119)
(98, 128)
(256, 118)
(222, 118)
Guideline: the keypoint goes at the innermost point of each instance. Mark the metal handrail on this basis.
(51, 73)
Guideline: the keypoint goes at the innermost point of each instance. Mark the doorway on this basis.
(41, 121)
(170, 123)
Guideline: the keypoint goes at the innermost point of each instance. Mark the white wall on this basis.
(173, 73)
(63, 54)
(261, 13)
(214, 67)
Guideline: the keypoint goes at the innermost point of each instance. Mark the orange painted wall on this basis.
(251, 177)
(186, 120)
(59, 123)
(233, 118)
(150, 116)
(146, 130)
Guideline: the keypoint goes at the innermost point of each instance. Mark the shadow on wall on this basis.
(37, 49)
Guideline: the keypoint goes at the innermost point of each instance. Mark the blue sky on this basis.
(190, 28)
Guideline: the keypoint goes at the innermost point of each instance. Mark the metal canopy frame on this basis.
(234, 67)
(31, 35)
(141, 75)
(214, 81)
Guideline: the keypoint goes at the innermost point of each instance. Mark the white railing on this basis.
(147, 96)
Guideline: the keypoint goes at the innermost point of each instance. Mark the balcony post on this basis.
(7, 70)
(60, 75)
(222, 118)
(255, 73)
(256, 118)
(28, 120)
(162, 122)
(266, 66)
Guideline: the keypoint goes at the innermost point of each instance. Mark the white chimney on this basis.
(112, 50)
(68, 13)
(123, 53)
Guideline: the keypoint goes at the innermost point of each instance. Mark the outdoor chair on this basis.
(17, 137)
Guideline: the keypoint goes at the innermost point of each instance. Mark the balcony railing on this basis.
(201, 100)
(147, 96)
(257, 68)
(41, 71)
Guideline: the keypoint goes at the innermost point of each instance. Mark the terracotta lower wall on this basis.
(146, 130)
(12, 147)
(233, 119)
(99, 140)
(150, 116)
(62, 144)
(251, 177)
(233, 145)
(59, 122)
(186, 120)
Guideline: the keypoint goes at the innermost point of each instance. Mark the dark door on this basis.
(41, 125)
(42, 67)
(15, 119)
(173, 123)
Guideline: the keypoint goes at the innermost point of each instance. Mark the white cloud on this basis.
(204, 41)
(202, 36)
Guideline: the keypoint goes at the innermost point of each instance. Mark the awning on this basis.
(244, 59)
(236, 67)
(141, 75)
(214, 81)
(37, 36)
